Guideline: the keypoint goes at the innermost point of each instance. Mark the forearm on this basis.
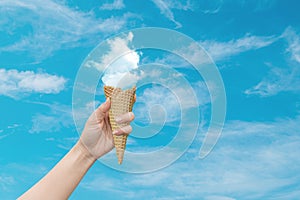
(61, 181)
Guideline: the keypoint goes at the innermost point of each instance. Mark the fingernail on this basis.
(115, 132)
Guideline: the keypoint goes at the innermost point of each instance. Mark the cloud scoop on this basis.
(121, 72)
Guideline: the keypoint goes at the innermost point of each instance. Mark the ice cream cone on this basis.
(121, 102)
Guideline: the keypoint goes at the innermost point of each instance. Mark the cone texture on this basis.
(121, 102)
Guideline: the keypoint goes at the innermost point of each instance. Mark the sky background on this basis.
(256, 47)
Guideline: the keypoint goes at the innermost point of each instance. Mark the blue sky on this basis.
(255, 46)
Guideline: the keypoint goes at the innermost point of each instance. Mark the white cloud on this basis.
(119, 71)
(293, 40)
(10, 130)
(204, 52)
(115, 5)
(166, 11)
(4, 136)
(15, 84)
(179, 5)
(66, 143)
(224, 50)
(51, 25)
(281, 79)
(59, 116)
(13, 126)
(166, 7)
(47, 123)
(277, 80)
(170, 107)
(158, 102)
(211, 7)
(193, 53)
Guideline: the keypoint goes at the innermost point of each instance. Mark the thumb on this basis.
(103, 109)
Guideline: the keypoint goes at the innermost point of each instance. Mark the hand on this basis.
(97, 134)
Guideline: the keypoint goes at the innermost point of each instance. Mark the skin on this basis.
(95, 141)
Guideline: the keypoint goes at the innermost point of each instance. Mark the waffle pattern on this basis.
(121, 102)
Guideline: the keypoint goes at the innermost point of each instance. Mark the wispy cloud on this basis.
(10, 130)
(3, 135)
(66, 143)
(256, 5)
(224, 50)
(6, 181)
(206, 7)
(171, 99)
(293, 40)
(169, 105)
(52, 25)
(193, 53)
(59, 117)
(166, 11)
(115, 5)
(209, 7)
(277, 80)
(283, 78)
(200, 52)
(181, 5)
(16, 84)
(15, 175)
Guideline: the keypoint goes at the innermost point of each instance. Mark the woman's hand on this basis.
(97, 134)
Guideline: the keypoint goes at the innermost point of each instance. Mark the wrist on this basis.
(84, 152)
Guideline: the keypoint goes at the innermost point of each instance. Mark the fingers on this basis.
(103, 108)
(127, 117)
(124, 130)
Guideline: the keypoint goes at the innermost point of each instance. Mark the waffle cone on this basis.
(121, 102)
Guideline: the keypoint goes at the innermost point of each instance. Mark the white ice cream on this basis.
(120, 72)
